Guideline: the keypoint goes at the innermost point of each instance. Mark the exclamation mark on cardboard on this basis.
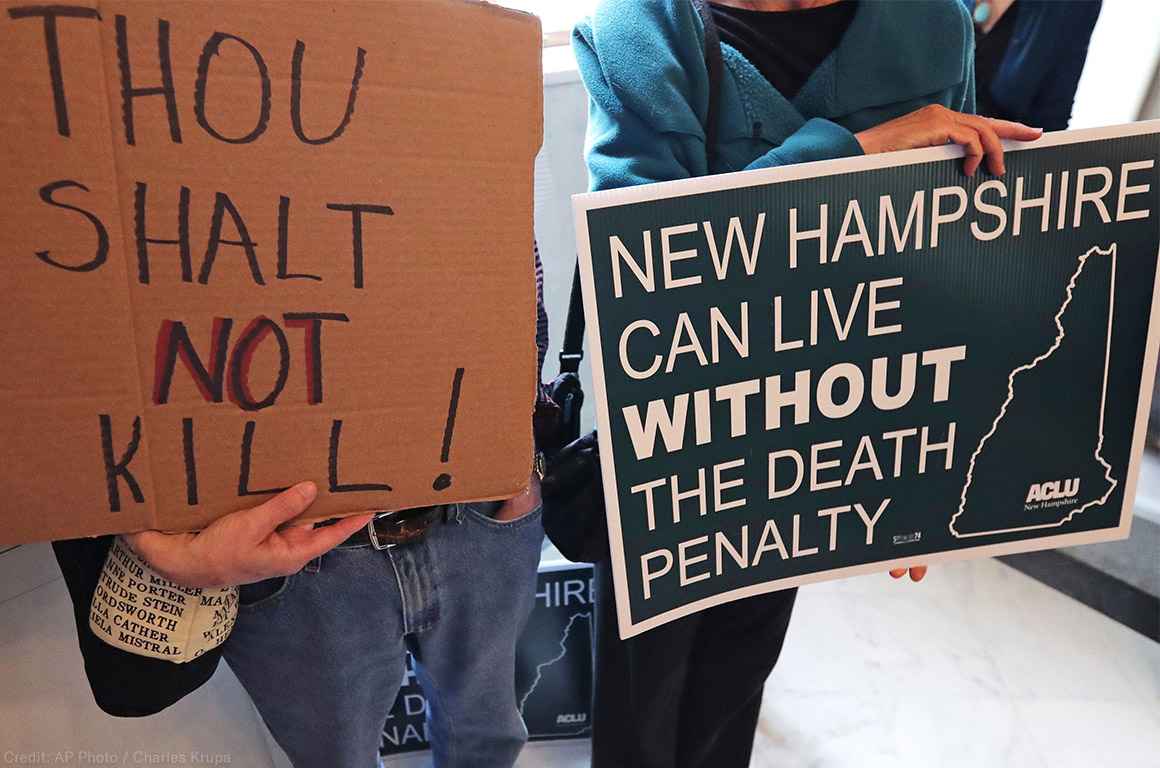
(444, 479)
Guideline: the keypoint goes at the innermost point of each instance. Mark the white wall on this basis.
(1122, 60)
(560, 173)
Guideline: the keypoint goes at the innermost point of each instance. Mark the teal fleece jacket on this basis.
(643, 63)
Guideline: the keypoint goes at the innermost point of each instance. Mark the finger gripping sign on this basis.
(842, 367)
(237, 245)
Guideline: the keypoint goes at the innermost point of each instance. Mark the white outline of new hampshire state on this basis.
(1111, 251)
(549, 662)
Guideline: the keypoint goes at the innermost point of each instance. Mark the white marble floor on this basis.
(978, 666)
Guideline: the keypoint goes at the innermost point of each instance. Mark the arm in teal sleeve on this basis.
(624, 148)
(967, 91)
(965, 94)
(818, 139)
(969, 104)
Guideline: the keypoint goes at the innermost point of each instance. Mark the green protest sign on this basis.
(836, 368)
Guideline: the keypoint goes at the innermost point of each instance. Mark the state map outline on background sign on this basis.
(1113, 483)
(585, 615)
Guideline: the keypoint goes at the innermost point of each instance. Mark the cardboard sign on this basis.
(249, 244)
(836, 368)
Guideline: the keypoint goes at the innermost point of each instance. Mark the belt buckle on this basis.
(373, 535)
(405, 526)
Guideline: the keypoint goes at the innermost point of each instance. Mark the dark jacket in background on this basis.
(1036, 79)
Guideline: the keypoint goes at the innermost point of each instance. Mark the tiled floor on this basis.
(45, 704)
(978, 666)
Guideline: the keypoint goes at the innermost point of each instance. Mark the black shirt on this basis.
(785, 46)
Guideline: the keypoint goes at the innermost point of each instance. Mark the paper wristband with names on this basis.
(837, 368)
(139, 611)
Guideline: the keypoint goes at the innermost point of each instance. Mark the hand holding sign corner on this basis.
(245, 546)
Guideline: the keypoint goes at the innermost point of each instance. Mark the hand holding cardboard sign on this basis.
(522, 505)
(934, 125)
(245, 546)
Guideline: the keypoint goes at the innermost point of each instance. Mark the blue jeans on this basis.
(322, 652)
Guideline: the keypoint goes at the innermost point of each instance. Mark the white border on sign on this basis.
(590, 201)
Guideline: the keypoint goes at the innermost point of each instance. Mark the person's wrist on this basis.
(868, 139)
(181, 576)
(206, 570)
(200, 576)
(213, 578)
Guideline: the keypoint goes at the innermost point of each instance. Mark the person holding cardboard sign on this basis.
(326, 614)
(255, 244)
(691, 88)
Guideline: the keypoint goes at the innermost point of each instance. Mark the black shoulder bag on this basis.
(123, 684)
(573, 496)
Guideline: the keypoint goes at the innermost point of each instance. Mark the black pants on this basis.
(686, 694)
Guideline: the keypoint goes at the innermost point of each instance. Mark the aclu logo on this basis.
(576, 718)
(1053, 490)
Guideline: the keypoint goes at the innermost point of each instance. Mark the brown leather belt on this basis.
(391, 528)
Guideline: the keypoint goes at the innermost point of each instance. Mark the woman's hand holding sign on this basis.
(246, 546)
(917, 572)
(934, 125)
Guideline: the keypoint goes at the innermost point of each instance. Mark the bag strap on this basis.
(714, 66)
(573, 350)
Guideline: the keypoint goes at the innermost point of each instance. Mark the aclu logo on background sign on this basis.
(577, 718)
(1053, 490)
